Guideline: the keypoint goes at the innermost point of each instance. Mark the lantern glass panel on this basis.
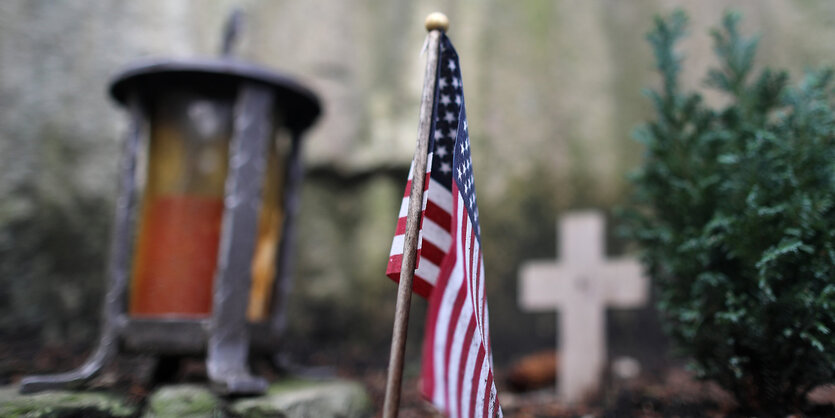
(270, 228)
(181, 213)
(182, 207)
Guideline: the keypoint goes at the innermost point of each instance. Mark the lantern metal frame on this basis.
(226, 335)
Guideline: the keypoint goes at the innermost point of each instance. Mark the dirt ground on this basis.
(672, 393)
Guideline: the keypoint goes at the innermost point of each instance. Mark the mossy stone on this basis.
(305, 398)
(59, 404)
(183, 401)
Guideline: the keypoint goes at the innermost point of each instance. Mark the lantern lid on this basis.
(300, 105)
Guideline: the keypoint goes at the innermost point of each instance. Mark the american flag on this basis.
(457, 372)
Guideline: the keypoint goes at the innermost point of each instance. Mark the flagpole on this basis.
(436, 23)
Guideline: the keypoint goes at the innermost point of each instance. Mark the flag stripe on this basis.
(454, 357)
(427, 271)
(432, 253)
(474, 372)
(482, 300)
(438, 215)
(397, 242)
(434, 236)
(434, 213)
(450, 330)
(451, 282)
(464, 389)
(490, 400)
(482, 382)
(408, 192)
(471, 250)
(440, 195)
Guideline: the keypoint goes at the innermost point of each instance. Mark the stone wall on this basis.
(553, 89)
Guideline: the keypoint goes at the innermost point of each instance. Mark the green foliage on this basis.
(735, 211)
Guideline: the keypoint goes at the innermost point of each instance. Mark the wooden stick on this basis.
(435, 24)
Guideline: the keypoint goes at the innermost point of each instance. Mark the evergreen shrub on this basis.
(734, 209)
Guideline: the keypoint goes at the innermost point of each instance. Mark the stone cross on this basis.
(581, 286)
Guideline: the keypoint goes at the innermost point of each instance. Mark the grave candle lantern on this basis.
(200, 248)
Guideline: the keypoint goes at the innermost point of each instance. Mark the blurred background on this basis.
(553, 90)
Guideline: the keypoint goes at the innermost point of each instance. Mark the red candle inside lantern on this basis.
(177, 255)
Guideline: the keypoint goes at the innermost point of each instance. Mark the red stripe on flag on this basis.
(393, 267)
(396, 263)
(453, 321)
(432, 253)
(481, 295)
(438, 215)
(408, 191)
(462, 364)
(420, 285)
(479, 361)
(401, 226)
(488, 390)
(471, 252)
(433, 212)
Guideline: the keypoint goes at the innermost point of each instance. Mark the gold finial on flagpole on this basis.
(437, 20)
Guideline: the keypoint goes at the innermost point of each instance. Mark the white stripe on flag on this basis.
(482, 387)
(428, 166)
(488, 352)
(440, 196)
(454, 361)
(436, 235)
(474, 272)
(404, 208)
(468, 243)
(397, 245)
(428, 271)
(491, 403)
(469, 370)
(481, 301)
(441, 326)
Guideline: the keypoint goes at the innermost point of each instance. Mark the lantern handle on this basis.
(231, 31)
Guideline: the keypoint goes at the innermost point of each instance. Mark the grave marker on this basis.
(581, 286)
